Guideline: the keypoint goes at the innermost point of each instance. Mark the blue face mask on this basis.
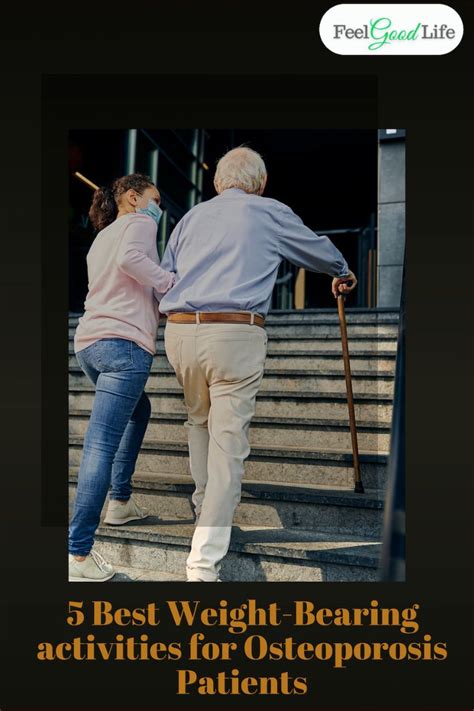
(153, 210)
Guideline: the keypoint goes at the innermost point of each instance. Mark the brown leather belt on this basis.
(214, 317)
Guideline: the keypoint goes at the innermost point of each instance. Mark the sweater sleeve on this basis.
(305, 248)
(133, 255)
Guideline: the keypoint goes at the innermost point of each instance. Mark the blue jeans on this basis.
(119, 368)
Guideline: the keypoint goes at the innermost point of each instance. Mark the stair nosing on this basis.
(291, 373)
(371, 398)
(318, 337)
(254, 547)
(255, 491)
(328, 320)
(264, 451)
(270, 422)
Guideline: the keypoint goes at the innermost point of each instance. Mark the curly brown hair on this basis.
(104, 208)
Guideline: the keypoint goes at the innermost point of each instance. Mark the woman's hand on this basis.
(340, 285)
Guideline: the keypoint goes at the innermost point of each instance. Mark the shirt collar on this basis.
(232, 191)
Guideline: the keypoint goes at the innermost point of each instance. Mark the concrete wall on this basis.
(391, 222)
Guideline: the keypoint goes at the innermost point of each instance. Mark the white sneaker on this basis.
(93, 569)
(119, 513)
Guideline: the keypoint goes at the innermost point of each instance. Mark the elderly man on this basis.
(226, 253)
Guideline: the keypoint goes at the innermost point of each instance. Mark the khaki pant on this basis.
(220, 367)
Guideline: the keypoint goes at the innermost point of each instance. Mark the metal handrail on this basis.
(392, 562)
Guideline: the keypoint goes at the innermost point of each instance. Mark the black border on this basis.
(426, 95)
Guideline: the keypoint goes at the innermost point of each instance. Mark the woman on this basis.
(114, 345)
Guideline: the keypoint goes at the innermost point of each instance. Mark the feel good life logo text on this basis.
(403, 29)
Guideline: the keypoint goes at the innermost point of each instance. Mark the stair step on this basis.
(290, 373)
(282, 505)
(298, 452)
(282, 464)
(321, 343)
(322, 328)
(268, 490)
(296, 380)
(313, 344)
(321, 405)
(256, 553)
(128, 574)
(353, 315)
(365, 361)
(267, 431)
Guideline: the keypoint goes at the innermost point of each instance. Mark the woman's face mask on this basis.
(153, 210)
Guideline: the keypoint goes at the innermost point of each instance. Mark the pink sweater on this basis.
(125, 284)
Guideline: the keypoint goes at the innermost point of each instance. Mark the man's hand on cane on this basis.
(340, 284)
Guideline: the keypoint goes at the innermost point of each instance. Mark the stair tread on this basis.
(265, 490)
(313, 354)
(269, 421)
(300, 312)
(328, 319)
(311, 315)
(129, 574)
(332, 454)
(292, 543)
(331, 354)
(281, 394)
(274, 373)
(377, 337)
(327, 337)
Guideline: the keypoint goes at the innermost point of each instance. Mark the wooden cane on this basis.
(358, 486)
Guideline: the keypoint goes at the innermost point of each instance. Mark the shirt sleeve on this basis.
(304, 248)
(133, 259)
(169, 257)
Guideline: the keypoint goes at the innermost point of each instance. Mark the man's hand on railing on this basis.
(340, 285)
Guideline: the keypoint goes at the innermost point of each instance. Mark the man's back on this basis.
(226, 253)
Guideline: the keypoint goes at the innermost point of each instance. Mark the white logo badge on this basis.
(391, 29)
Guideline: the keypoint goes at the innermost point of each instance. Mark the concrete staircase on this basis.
(299, 518)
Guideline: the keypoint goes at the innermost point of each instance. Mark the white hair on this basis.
(242, 168)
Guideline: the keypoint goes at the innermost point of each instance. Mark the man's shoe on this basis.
(119, 513)
(198, 580)
(93, 569)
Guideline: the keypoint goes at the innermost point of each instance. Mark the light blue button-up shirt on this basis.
(226, 253)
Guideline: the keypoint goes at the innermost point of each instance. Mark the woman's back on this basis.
(118, 305)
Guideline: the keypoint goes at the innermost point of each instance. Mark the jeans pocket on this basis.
(80, 360)
(85, 354)
(142, 360)
(87, 359)
(114, 354)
